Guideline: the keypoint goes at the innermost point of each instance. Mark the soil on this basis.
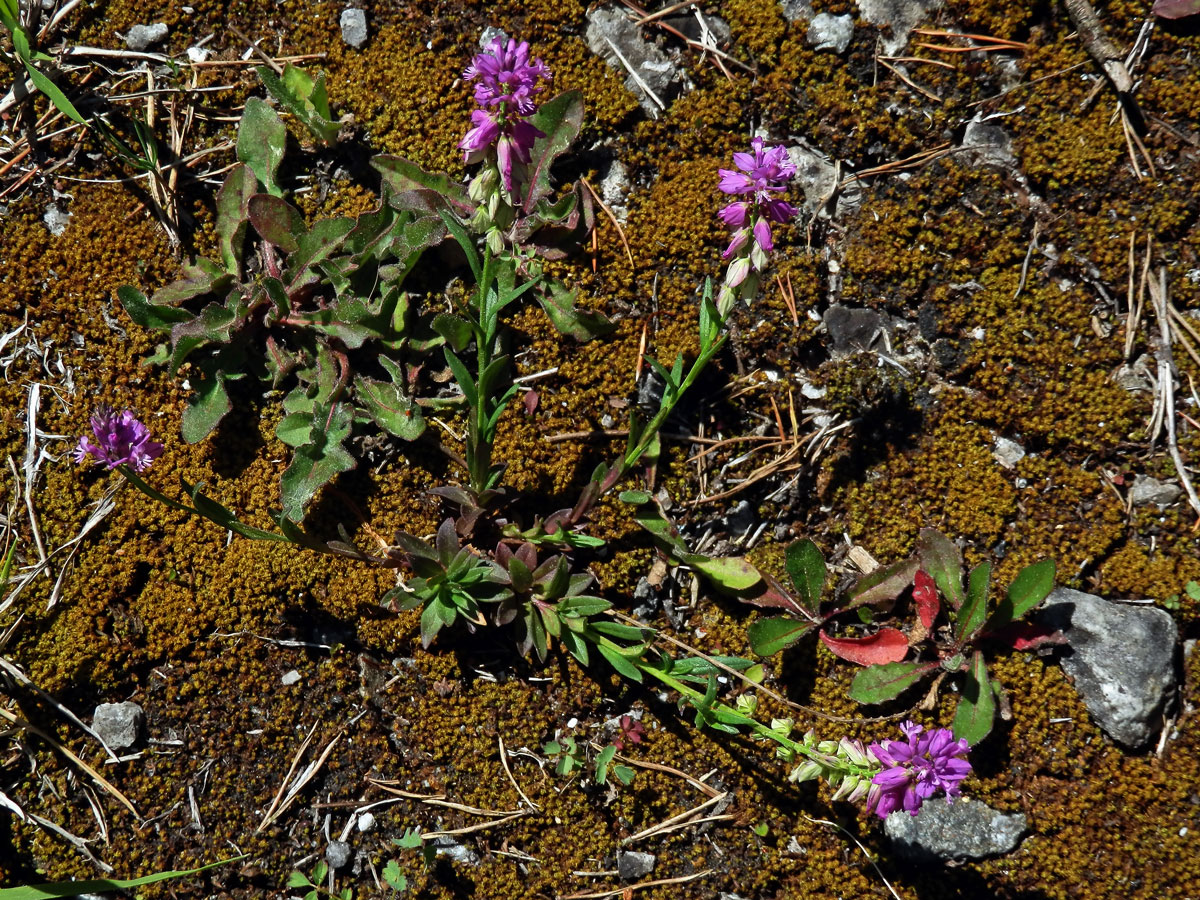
(994, 293)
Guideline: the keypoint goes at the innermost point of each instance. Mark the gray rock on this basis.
(139, 37)
(1121, 659)
(56, 218)
(354, 27)
(816, 175)
(289, 678)
(649, 73)
(854, 330)
(988, 145)
(452, 849)
(797, 9)
(828, 32)
(118, 724)
(337, 854)
(615, 188)
(898, 16)
(632, 865)
(966, 829)
(1147, 490)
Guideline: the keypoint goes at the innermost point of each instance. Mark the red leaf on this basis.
(926, 598)
(1027, 636)
(1176, 9)
(888, 645)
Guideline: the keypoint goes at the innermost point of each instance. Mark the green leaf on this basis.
(769, 636)
(394, 877)
(319, 461)
(294, 428)
(559, 120)
(603, 761)
(233, 215)
(276, 221)
(48, 87)
(314, 246)
(558, 303)
(455, 330)
(970, 618)
(402, 178)
(877, 684)
(1031, 586)
(806, 567)
(206, 409)
(621, 664)
(147, 314)
(941, 559)
(465, 382)
(390, 408)
(205, 277)
(732, 575)
(885, 583)
(298, 879)
(634, 498)
(976, 711)
(261, 143)
(101, 885)
(303, 98)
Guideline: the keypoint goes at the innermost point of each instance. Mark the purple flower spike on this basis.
(763, 172)
(120, 440)
(916, 769)
(506, 74)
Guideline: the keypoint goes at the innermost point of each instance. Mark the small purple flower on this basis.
(120, 440)
(506, 75)
(764, 172)
(916, 769)
(507, 81)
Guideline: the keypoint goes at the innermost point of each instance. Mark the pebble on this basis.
(118, 724)
(354, 27)
(632, 865)
(139, 37)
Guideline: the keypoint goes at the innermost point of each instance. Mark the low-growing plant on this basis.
(953, 626)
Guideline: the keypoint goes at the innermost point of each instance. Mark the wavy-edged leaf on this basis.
(315, 246)
(401, 176)
(318, 461)
(204, 277)
(878, 684)
(976, 711)
(276, 221)
(769, 636)
(261, 143)
(233, 215)
(206, 409)
(147, 314)
(304, 98)
(559, 119)
(558, 303)
(888, 645)
(390, 408)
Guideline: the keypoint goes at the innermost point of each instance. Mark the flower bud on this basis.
(806, 771)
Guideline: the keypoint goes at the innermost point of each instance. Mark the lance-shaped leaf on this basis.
(925, 598)
(147, 314)
(970, 617)
(400, 177)
(558, 303)
(261, 142)
(276, 221)
(233, 215)
(204, 277)
(769, 636)
(1027, 590)
(883, 585)
(732, 575)
(878, 684)
(304, 98)
(100, 885)
(805, 565)
(941, 558)
(977, 706)
(888, 645)
(318, 461)
(559, 120)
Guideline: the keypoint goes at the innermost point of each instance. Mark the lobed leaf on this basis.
(319, 460)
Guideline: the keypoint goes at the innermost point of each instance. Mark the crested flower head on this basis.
(120, 440)
(505, 74)
(916, 769)
(763, 173)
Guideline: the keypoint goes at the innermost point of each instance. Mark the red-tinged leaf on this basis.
(925, 597)
(1176, 9)
(771, 595)
(883, 585)
(888, 645)
(942, 559)
(1027, 636)
(878, 684)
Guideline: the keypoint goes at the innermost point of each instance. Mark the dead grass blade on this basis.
(290, 788)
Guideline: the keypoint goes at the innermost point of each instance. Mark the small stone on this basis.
(1008, 453)
(118, 724)
(290, 678)
(829, 32)
(56, 219)
(366, 822)
(459, 853)
(632, 865)
(966, 829)
(354, 27)
(797, 9)
(1121, 658)
(988, 145)
(337, 854)
(615, 188)
(898, 17)
(139, 37)
(1148, 490)
(854, 330)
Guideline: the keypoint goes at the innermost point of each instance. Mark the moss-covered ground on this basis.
(1016, 342)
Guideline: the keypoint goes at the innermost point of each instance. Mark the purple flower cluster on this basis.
(120, 440)
(917, 769)
(764, 173)
(506, 81)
